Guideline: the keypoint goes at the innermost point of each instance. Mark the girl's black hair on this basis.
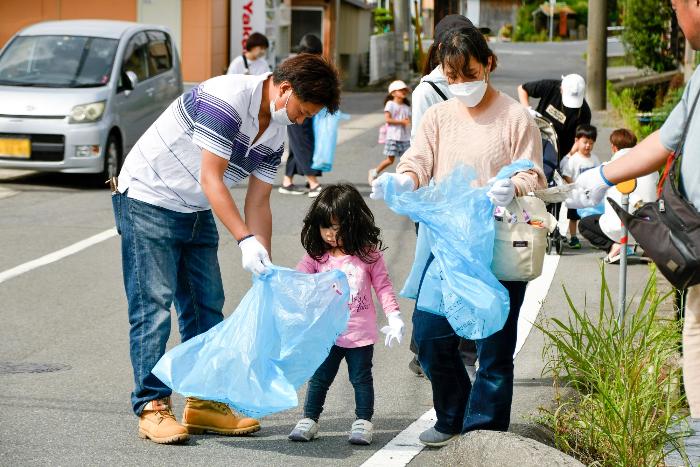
(358, 233)
(459, 47)
(389, 97)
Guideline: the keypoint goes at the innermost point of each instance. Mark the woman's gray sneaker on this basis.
(433, 438)
(305, 430)
(361, 433)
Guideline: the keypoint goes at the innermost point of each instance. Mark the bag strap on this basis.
(437, 90)
(245, 63)
(676, 155)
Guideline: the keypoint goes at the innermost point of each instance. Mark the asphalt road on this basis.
(71, 315)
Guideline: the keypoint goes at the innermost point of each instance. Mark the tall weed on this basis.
(625, 381)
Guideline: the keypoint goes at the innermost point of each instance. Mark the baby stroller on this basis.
(553, 195)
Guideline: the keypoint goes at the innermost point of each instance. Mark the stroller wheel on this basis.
(550, 245)
(559, 246)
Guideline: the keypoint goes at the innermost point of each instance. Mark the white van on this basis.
(75, 96)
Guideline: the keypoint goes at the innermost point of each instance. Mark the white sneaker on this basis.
(306, 430)
(361, 433)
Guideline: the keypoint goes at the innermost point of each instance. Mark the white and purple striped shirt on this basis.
(221, 116)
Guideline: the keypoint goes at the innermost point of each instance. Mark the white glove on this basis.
(589, 189)
(533, 112)
(394, 331)
(502, 192)
(399, 182)
(254, 256)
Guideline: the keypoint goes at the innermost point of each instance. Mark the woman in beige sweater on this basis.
(487, 130)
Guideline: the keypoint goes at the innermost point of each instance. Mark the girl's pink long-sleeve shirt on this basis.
(362, 326)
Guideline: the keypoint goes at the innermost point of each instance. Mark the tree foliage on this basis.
(646, 34)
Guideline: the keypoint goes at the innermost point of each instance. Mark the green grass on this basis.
(624, 381)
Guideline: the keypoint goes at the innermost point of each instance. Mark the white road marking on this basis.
(57, 255)
(534, 297)
(538, 289)
(405, 446)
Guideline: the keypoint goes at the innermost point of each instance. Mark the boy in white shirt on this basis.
(579, 160)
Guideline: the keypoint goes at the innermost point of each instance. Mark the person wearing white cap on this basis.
(562, 102)
(397, 115)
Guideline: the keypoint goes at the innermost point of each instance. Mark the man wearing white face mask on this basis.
(179, 171)
(485, 129)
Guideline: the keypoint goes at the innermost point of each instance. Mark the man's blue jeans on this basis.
(359, 362)
(167, 257)
(459, 406)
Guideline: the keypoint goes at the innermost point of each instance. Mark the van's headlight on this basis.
(87, 113)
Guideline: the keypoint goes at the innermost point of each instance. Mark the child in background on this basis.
(579, 159)
(397, 114)
(339, 233)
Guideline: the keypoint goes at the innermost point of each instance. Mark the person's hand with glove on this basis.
(502, 192)
(533, 112)
(254, 256)
(589, 189)
(394, 331)
(391, 182)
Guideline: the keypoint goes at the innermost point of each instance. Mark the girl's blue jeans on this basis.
(359, 362)
(167, 257)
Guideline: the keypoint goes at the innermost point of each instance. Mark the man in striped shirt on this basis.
(211, 138)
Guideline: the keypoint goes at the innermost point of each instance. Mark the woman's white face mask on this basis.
(471, 92)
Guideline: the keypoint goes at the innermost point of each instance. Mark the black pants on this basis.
(359, 362)
(591, 231)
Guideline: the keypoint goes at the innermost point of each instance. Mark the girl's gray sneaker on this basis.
(305, 430)
(433, 438)
(361, 433)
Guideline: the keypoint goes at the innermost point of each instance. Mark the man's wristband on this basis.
(245, 238)
(602, 175)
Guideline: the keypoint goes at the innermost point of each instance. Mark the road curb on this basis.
(503, 449)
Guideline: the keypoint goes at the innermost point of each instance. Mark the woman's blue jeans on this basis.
(459, 406)
(167, 257)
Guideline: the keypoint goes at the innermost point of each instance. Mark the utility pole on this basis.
(444, 8)
(402, 28)
(597, 62)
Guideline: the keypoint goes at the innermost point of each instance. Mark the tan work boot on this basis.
(216, 417)
(158, 423)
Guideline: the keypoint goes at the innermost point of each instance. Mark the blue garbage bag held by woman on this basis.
(257, 358)
(457, 229)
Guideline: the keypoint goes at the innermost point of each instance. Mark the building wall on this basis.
(17, 14)
(201, 26)
(354, 29)
(492, 14)
(164, 12)
(204, 39)
(329, 22)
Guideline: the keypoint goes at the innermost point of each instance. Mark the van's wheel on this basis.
(113, 157)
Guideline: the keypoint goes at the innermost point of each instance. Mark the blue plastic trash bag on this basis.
(457, 227)
(257, 358)
(592, 211)
(325, 138)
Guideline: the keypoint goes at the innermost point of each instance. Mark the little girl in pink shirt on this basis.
(339, 233)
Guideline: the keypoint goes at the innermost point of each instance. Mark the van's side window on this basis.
(136, 56)
(159, 53)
